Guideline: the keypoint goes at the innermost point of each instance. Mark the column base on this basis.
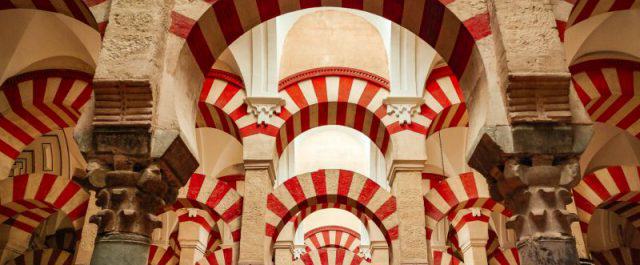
(121, 248)
(548, 251)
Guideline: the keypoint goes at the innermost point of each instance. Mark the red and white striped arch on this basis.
(30, 199)
(333, 97)
(36, 103)
(450, 27)
(607, 187)
(460, 218)
(94, 13)
(332, 237)
(571, 12)
(617, 256)
(444, 102)
(495, 254)
(584, 9)
(333, 186)
(207, 220)
(223, 256)
(222, 105)
(469, 190)
(500, 256)
(332, 256)
(161, 256)
(444, 258)
(298, 218)
(210, 193)
(608, 89)
(42, 257)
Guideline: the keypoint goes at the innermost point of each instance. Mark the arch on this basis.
(495, 254)
(222, 105)
(333, 97)
(444, 258)
(161, 256)
(210, 193)
(206, 219)
(219, 257)
(332, 237)
(617, 256)
(43, 257)
(608, 89)
(499, 256)
(298, 218)
(613, 187)
(584, 9)
(89, 12)
(330, 257)
(453, 30)
(36, 103)
(444, 102)
(333, 113)
(469, 190)
(333, 186)
(36, 196)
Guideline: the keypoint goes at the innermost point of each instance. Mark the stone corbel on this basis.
(403, 108)
(263, 108)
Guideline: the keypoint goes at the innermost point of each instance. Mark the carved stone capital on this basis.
(536, 190)
(403, 108)
(264, 108)
(131, 185)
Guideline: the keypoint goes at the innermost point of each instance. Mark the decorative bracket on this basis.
(403, 108)
(263, 108)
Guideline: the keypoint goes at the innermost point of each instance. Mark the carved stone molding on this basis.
(264, 108)
(403, 108)
(333, 71)
(539, 97)
(122, 102)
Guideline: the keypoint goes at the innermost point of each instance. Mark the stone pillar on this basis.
(406, 179)
(473, 234)
(193, 241)
(135, 166)
(259, 154)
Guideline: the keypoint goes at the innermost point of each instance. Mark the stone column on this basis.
(135, 165)
(193, 241)
(254, 247)
(259, 178)
(406, 179)
(473, 234)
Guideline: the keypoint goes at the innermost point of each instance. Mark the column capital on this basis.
(132, 183)
(285, 244)
(263, 108)
(398, 166)
(402, 109)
